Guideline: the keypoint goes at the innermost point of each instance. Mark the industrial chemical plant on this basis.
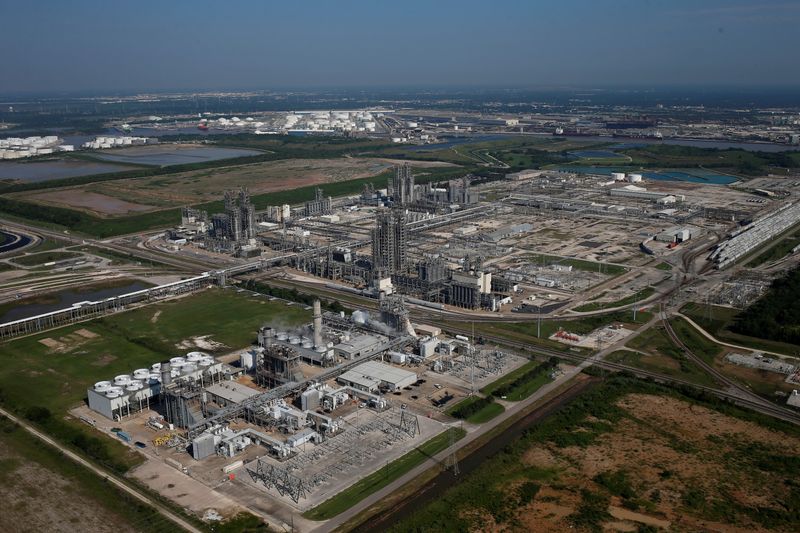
(302, 412)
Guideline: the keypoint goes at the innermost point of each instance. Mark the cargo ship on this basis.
(656, 135)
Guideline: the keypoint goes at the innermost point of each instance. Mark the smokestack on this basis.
(317, 324)
(166, 373)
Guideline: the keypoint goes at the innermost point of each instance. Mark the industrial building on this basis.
(372, 376)
(389, 242)
(130, 393)
(320, 205)
(401, 188)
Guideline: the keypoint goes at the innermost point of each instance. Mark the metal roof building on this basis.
(230, 392)
(372, 374)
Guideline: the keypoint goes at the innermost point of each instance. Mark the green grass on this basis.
(526, 331)
(87, 489)
(124, 341)
(695, 341)
(116, 258)
(84, 223)
(577, 264)
(496, 494)
(716, 320)
(385, 475)
(664, 357)
(664, 266)
(508, 378)
(484, 414)
(778, 251)
(44, 257)
(596, 306)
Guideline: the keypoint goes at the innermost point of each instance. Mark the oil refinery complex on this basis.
(299, 410)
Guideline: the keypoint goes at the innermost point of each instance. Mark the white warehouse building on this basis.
(372, 375)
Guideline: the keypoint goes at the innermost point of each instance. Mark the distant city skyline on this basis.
(90, 46)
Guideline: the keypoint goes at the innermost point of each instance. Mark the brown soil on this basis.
(158, 192)
(37, 499)
(667, 448)
(100, 204)
(104, 360)
(86, 334)
(52, 344)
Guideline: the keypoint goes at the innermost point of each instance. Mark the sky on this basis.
(92, 46)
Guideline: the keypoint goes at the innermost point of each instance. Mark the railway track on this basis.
(749, 400)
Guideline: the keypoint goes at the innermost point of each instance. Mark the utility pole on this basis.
(538, 321)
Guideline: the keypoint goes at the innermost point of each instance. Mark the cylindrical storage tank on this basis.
(133, 386)
(102, 386)
(122, 380)
(634, 178)
(177, 360)
(294, 340)
(282, 336)
(156, 367)
(245, 360)
(193, 357)
(307, 344)
(114, 392)
(178, 364)
(188, 368)
(206, 361)
(141, 373)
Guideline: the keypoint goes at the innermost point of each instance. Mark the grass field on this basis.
(596, 306)
(716, 320)
(484, 414)
(578, 264)
(44, 257)
(52, 370)
(661, 356)
(46, 491)
(778, 251)
(526, 331)
(379, 479)
(660, 455)
(508, 378)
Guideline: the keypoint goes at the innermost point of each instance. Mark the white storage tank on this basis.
(102, 386)
(193, 357)
(141, 373)
(114, 392)
(634, 178)
(188, 368)
(294, 340)
(618, 176)
(282, 336)
(155, 367)
(206, 362)
(122, 380)
(177, 360)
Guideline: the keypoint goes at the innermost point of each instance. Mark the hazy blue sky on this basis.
(77, 45)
